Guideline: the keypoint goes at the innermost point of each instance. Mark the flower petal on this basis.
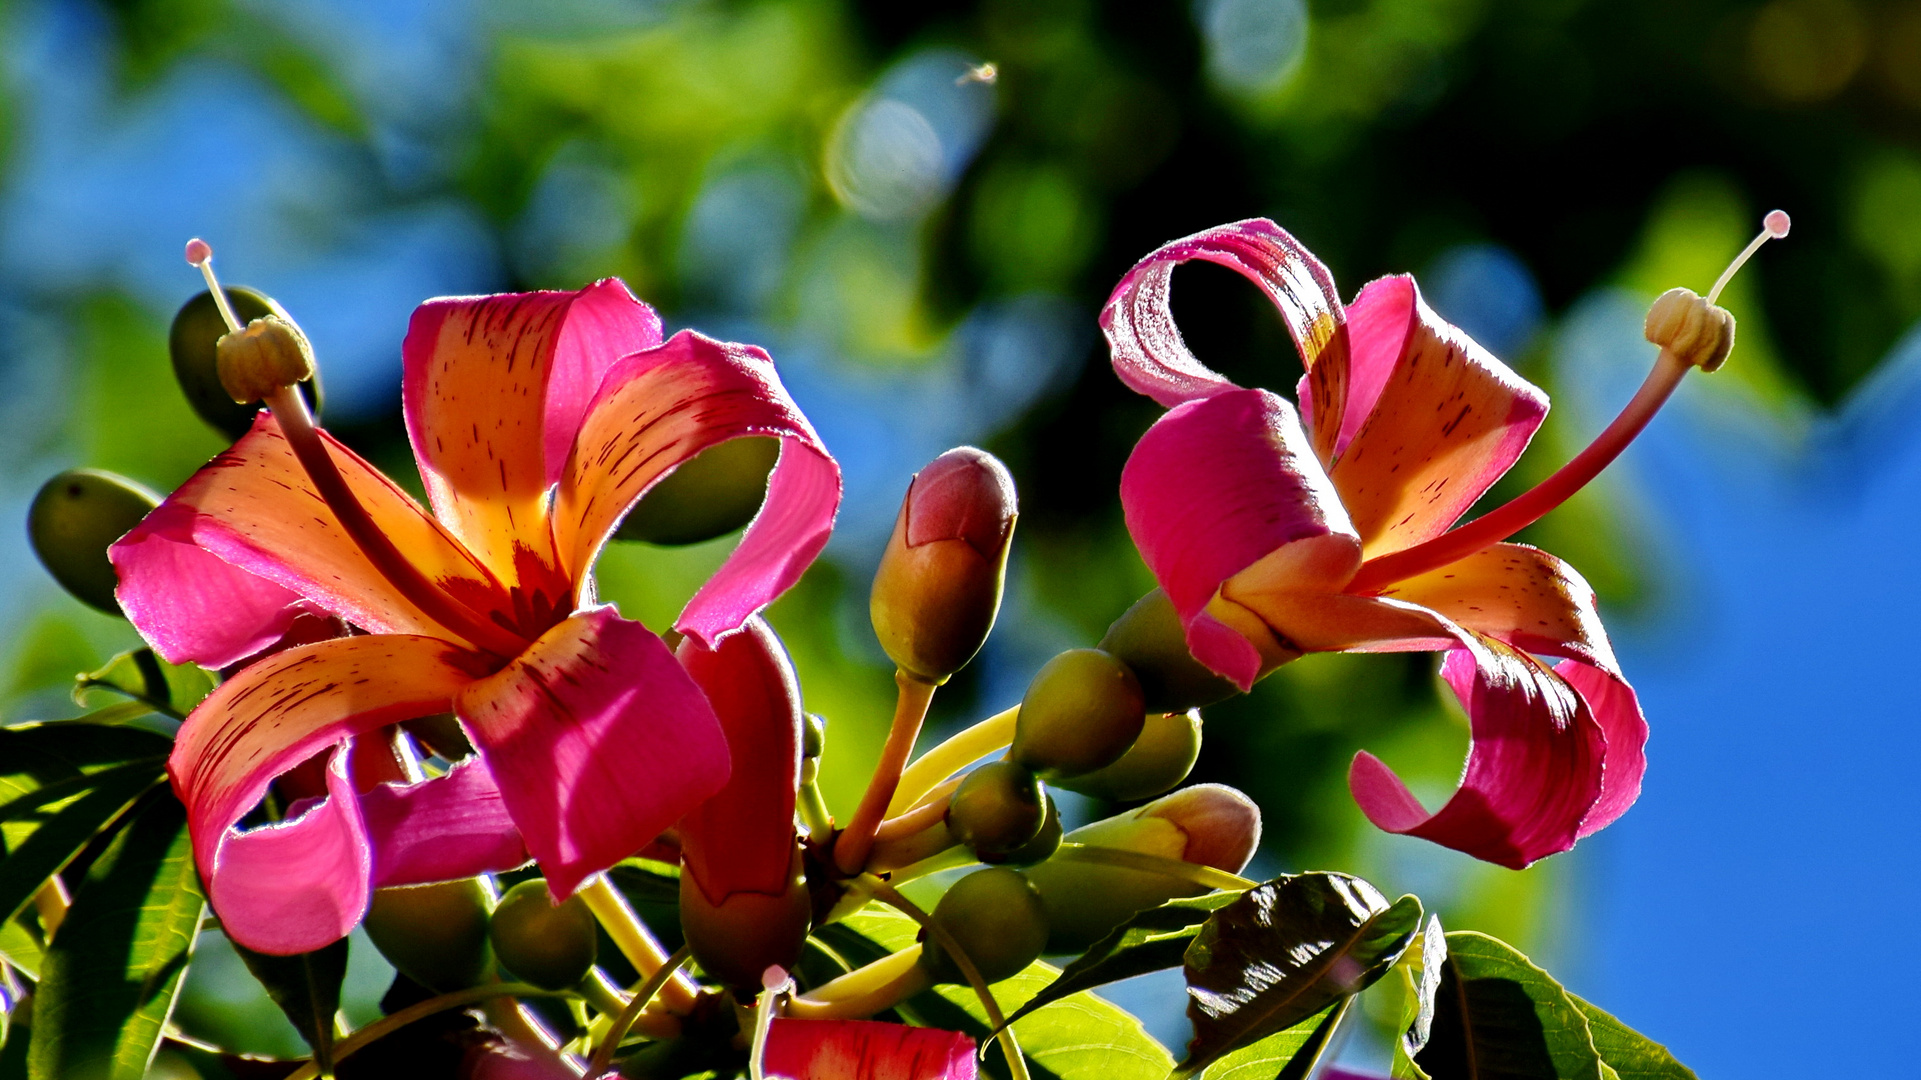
(866, 1050)
(1217, 485)
(1618, 711)
(1147, 349)
(442, 829)
(254, 508)
(495, 388)
(598, 740)
(189, 604)
(298, 885)
(1520, 595)
(659, 408)
(274, 715)
(742, 839)
(1534, 768)
(1432, 419)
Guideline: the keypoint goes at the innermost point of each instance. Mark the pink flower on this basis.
(1265, 526)
(866, 1050)
(537, 420)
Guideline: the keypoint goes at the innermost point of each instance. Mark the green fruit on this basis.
(1158, 761)
(193, 343)
(435, 935)
(712, 495)
(997, 808)
(551, 947)
(75, 517)
(1148, 638)
(1045, 842)
(1082, 711)
(995, 917)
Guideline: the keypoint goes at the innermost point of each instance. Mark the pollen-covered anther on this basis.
(1692, 329)
(270, 353)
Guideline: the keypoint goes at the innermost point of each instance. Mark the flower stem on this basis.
(925, 813)
(910, 709)
(994, 733)
(645, 993)
(387, 1025)
(952, 859)
(635, 942)
(865, 991)
(1205, 876)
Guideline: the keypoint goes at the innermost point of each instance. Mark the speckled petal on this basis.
(866, 1050)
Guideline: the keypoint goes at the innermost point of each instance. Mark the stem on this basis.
(813, 810)
(1376, 575)
(387, 1025)
(636, 943)
(910, 709)
(994, 733)
(604, 1053)
(600, 992)
(951, 859)
(865, 991)
(1209, 877)
(296, 423)
(923, 815)
(1016, 1063)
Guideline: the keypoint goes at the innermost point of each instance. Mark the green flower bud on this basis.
(1045, 842)
(1149, 639)
(1158, 761)
(1082, 711)
(995, 916)
(268, 354)
(939, 584)
(193, 343)
(998, 808)
(718, 491)
(551, 947)
(75, 517)
(1207, 824)
(813, 736)
(435, 935)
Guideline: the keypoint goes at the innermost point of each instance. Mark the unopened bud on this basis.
(1045, 842)
(998, 808)
(1159, 760)
(939, 584)
(1081, 712)
(546, 945)
(1148, 638)
(995, 916)
(435, 935)
(75, 517)
(718, 491)
(269, 354)
(1207, 825)
(193, 343)
(737, 938)
(1695, 331)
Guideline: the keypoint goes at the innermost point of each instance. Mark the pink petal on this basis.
(1432, 419)
(191, 606)
(1534, 767)
(1520, 595)
(443, 829)
(1150, 356)
(742, 839)
(661, 407)
(1618, 711)
(298, 885)
(1215, 486)
(866, 1050)
(598, 740)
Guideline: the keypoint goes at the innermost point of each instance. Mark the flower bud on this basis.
(995, 916)
(1207, 824)
(1045, 842)
(1692, 329)
(75, 517)
(1148, 638)
(998, 808)
(1082, 711)
(548, 946)
(1158, 761)
(193, 343)
(435, 935)
(939, 584)
(730, 937)
(268, 354)
(718, 491)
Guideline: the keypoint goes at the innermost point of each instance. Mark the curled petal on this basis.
(442, 829)
(189, 604)
(659, 408)
(1534, 767)
(1520, 595)
(1432, 419)
(598, 740)
(1618, 711)
(1150, 356)
(298, 885)
(866, 1050)
(1217, 485)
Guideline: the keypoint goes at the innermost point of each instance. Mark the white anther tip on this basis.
(1776, 223)
(198, 252)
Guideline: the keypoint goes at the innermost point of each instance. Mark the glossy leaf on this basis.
(1629, 1053)
(1284, 1055)
(170, 689)
(1423, 990)
(307, 989)
(113, 969)
(21, 948)
(1497, 1015)
(1283, 952)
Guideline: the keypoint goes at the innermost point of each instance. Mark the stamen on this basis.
(200, 257)
(774, 983)
(1773, 227)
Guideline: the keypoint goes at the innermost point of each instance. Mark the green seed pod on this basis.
(998, 808)
(435, 935)
(720, 490)
(1149, 639)
(1158, 761)
(551, 947)
(995, 916)
(1082, 711)
(75, 517)
(1045, 842)
(193, 343)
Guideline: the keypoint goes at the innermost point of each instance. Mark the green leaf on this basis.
(63, 817)
(1283, 952)
(1151, 940)
(1421, 975)
(170, 689)
(1631, 1054)
(1497, 1015)
(307, 989)
(115, 965)
(20, 947)
(1284, 1055)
